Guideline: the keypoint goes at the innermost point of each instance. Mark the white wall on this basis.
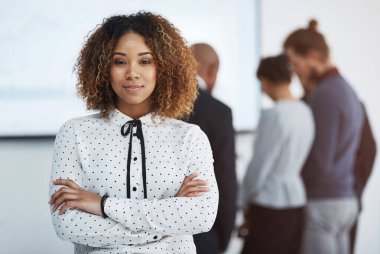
(352, 31)
(25, 223)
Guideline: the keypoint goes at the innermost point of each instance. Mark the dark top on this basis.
(215, 119)
(365, 157)
(338, 115)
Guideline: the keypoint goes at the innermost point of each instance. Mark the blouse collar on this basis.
(120, 118)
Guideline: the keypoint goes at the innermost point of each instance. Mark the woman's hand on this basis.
(74, 196)
(192, 188)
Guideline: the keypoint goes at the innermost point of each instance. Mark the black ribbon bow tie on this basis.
(127, 129)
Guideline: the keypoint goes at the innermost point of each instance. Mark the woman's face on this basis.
(133, 72)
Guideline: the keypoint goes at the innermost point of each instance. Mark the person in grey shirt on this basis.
(272, 193)
(328, 173)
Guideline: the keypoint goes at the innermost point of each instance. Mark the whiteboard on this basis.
(40, 40)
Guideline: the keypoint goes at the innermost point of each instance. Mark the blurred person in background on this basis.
(365, 159)
(272, 193)
(215, 119)
(328, 173)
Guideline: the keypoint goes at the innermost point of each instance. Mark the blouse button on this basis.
(135, 159)
(134, 189)
(155, 237)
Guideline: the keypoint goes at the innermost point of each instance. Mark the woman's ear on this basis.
(264, 84)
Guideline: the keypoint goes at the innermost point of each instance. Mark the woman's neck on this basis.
(282, 92)
(134, 111)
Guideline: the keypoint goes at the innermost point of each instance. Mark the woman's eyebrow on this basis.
(139, 54)
(119, 53)
(144, 53)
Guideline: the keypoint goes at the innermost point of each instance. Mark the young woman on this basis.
(273, 194)
(123, 180)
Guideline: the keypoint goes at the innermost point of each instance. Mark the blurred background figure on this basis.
(332, 205)
(365, 159)
(215, 119)
(208, 65)
(273, 194)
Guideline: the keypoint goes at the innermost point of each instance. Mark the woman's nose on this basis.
(132, 72)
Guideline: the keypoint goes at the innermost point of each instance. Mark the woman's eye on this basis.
(119, 62)
(145, 61)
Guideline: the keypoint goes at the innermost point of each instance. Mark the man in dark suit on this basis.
(365, 159)
(215, 119)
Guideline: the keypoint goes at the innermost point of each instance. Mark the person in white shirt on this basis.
(272, 193)
(134, 178)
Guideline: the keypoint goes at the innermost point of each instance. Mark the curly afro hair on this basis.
(176, 85)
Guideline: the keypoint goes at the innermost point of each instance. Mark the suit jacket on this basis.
(215, 119)
(365, 157)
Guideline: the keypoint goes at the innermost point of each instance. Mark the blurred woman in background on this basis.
(273, 195)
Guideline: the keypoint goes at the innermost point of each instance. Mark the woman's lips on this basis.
(133, 88)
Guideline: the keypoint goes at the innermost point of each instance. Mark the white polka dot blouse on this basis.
(141, 165)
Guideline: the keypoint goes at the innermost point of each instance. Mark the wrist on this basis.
(102, 203)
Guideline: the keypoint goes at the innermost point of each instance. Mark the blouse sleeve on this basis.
(75, 225)
(175, 215)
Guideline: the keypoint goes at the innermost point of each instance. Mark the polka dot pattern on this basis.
(92, 152)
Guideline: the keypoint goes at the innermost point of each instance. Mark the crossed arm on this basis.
(73, 196)
(76, 212)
